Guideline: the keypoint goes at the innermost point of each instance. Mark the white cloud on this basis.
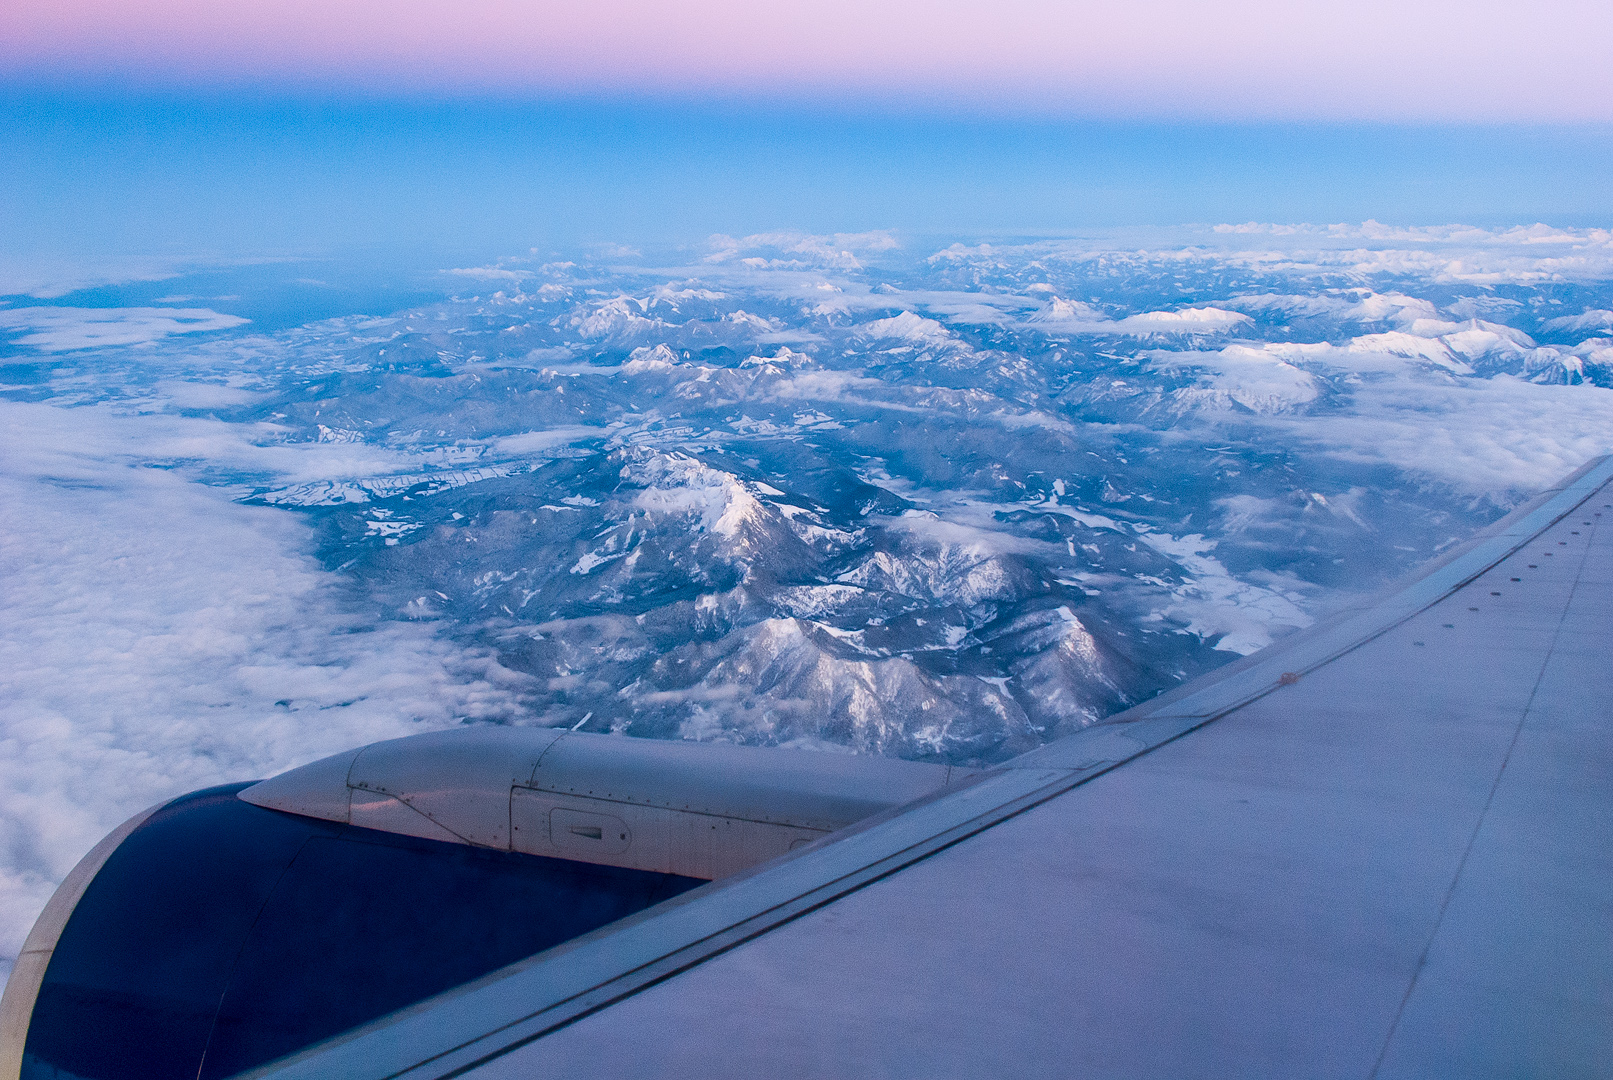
(59, 329)
(1514, 235)
(838, 386)
(1486, 437)
(875, 240)
(46, 279)
(1076, 318)
(1441, 254)
(1213, 603)
(187, 394)
(490, 273)
(81, 441)
(789, 250)
(1259, 379)
(1205, 320)
(156, 637)
(536, 442)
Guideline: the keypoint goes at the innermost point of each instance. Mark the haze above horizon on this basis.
(178, 128)
(1427, 60)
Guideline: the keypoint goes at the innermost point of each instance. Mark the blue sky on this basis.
(190, 128)
(227, 175)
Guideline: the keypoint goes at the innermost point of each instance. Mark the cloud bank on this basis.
(156, 637)
(59, 329)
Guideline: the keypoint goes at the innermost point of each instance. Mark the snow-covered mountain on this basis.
(942, 504)
(853, 492)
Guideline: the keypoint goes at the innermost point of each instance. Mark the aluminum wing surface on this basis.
(1378, 849)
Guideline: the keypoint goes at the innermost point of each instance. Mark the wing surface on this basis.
(1380, 848)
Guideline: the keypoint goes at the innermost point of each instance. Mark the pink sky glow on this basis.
(1373, 59)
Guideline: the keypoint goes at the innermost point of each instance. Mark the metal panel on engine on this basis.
(654, 838)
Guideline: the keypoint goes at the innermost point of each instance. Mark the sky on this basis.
(1473, 60)
(178, 127)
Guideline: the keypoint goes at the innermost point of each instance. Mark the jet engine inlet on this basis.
(220, 935)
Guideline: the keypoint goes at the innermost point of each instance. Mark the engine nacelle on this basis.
(239, 924)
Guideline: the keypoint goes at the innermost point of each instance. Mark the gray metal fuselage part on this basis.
(697, 810)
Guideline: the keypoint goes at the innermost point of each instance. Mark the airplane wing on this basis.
(1378, 848)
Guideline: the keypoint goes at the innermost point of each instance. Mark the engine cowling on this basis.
(236, 925)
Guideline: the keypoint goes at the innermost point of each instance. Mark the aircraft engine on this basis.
(236, 925)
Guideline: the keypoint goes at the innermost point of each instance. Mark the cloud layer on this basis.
(59, 329)
(156, 637)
